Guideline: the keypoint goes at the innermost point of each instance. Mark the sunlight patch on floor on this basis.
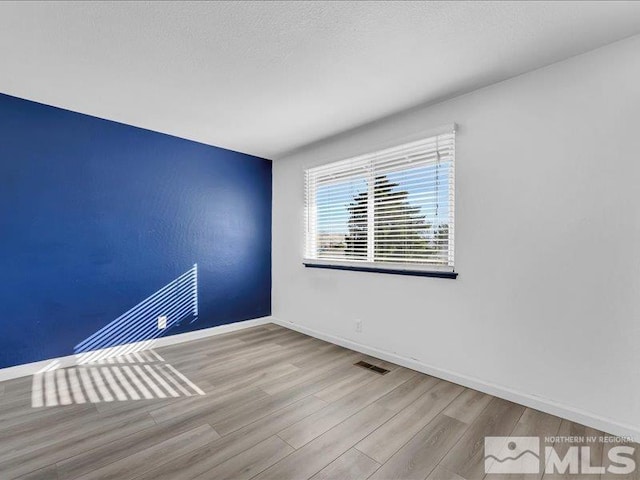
(133, 376)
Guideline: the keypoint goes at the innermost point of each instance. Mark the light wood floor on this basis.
(278, 405)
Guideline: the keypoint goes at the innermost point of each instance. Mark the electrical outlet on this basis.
(359, 326)
(162, 322)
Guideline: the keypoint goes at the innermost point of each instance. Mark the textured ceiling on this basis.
(267, 77)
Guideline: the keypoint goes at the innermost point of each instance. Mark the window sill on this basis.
(393, 271)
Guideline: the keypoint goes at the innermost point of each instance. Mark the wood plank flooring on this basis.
(278, 405)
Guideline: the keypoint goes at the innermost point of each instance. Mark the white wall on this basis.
(545, 309)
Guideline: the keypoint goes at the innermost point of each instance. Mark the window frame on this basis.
(402, 268)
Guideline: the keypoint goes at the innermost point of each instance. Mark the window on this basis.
(392, 209)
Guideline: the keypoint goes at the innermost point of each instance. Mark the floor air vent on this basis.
(374, 368)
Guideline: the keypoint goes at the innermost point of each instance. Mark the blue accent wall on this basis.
(95, 216)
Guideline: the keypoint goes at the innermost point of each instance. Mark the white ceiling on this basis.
(267, 77)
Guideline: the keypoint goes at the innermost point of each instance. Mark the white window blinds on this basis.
(391, 208)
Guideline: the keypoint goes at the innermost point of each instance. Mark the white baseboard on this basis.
(71, 360)
(589, 419)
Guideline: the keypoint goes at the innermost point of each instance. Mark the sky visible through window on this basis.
(333, 200)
